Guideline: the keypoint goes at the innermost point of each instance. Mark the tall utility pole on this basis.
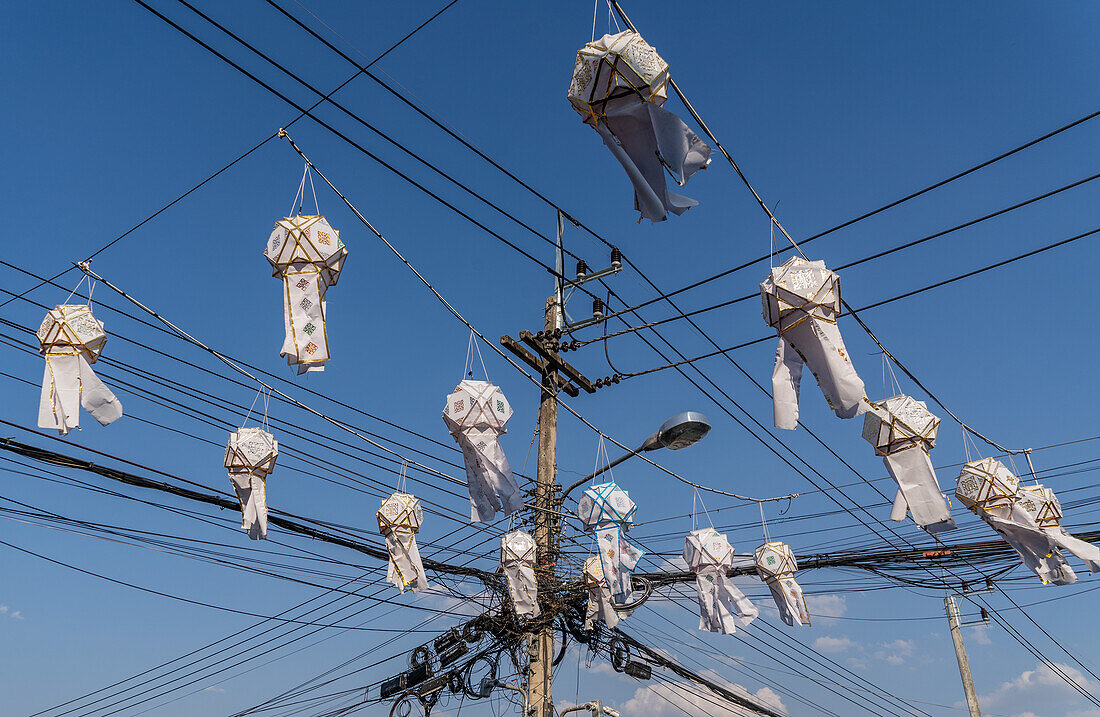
(960, 653)
(541, 642)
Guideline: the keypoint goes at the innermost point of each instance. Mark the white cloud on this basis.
(981, 635)
(1041, 689)
(212, 688)
(833, 644)
(13, 614)
(673, 699)
(824, 607)
(894, 653)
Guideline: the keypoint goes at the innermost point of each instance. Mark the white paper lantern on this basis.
(250, 457)
(986, 484)
(477, 415)
(801, 302)
(709, 555)
(903, 431)
(72, 339)
(307, 254)
(776, 566)
(619, 86)
(991, 491)
(607, 510)
(517, 557)
(399, 520)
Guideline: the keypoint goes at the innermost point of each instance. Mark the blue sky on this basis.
(831, 110)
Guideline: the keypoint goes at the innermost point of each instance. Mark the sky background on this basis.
(830, 109)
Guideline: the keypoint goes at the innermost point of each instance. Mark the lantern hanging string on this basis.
(470, 348)
(300, 196)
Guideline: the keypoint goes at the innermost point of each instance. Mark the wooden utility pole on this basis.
(960, 654)
(541, 642)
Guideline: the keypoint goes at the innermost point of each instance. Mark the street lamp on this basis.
(680, 431)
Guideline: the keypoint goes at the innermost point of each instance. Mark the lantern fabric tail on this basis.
(822, 349)
(720, 602)
(618, 558)
(788, 598)
(306, 341)
(405, 567)
(599, 608)
(489, 476)
(523, 588)
(1032, 545)
(918, 488)
(786, 379)
(1086, 551)
(252, 494)
(647, 139)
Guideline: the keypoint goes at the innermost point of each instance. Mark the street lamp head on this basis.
(680, 431)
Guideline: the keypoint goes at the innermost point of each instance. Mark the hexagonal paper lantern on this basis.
(798, 290)
(477, 415)
(71, 339)
(307, 254)
(801, 302)
(986, 483)
(1041, 504)
(306, 240)
(399, 519)
(613, 68)
(775, 560)
(604, 504)
(71, 328)
(517, 547)
(618, 87)
(902, 422)
(400, 512)
(707, 547)
(251, 450)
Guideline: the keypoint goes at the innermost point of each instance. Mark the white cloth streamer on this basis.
(903, 431)
(477, 415)
(801, 302)
(517, 556)
(250, 457)
(709, 555)
(71, 339)
(307, 254)
(619, 86)
(399, 519)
